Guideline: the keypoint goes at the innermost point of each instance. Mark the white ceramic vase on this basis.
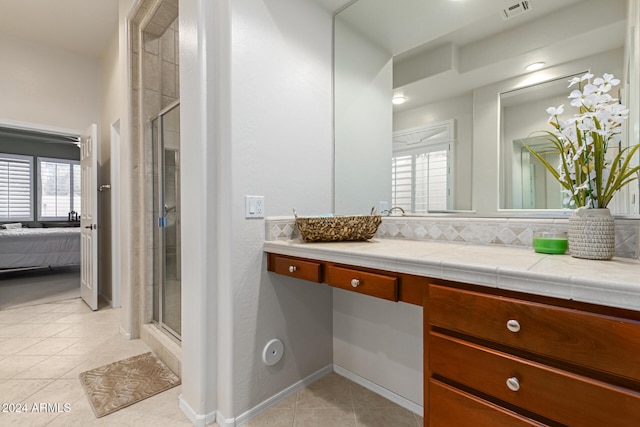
(592, 234)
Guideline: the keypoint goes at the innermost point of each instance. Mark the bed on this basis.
(39, 247)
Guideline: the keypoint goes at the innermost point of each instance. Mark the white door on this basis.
(89, 217)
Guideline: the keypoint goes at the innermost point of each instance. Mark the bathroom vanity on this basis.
(511, 337)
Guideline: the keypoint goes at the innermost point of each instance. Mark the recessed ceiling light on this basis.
(397, 100)
(535, 66)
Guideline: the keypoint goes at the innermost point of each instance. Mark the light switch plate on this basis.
(254, 206)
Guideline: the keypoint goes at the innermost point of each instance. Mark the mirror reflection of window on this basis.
(421, 168)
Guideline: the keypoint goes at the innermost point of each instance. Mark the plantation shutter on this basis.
(15, 188)
(420, 180)
(422, 167)
(402, 182)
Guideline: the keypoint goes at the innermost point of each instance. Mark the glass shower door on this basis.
(167, 242)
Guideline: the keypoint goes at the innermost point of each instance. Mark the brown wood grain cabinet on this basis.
(376, 283)
(295, 267)
(453, 407)
(496, 358)
(549, 361)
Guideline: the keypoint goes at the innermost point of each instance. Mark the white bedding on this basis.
(39, 247)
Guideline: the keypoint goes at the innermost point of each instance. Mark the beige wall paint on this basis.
(48, 86)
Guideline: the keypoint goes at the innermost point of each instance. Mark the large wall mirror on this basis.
(525, 182)
(456, 143)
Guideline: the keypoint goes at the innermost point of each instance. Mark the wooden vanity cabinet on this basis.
(453, 407)
(546, 362)
(376, 283)
(495, 358)
(299, 268)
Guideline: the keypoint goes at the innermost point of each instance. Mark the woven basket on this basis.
(337, 228)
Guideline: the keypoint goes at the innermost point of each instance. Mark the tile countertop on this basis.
(613, 283)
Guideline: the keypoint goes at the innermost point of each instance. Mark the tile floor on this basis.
(334, 401)
(44, 347)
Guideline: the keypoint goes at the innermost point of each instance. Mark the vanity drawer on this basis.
(452, 407)
(552, 393)
(375, 285)
(604, 343)
(296, 267)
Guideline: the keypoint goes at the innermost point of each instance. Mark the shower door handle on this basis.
(162, 222)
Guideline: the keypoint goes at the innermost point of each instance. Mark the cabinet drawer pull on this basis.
(513, 384)
(292, 268)
(513, 325)
(355, 283)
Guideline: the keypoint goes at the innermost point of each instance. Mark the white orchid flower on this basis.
(589, 89)
(575, 94)
(606, 79)
(574, 81)
(583, 164)
(587, 76)
(587, 124)
(553, 111)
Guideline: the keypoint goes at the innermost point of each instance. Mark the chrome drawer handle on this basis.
(355, 283)
(513, 325)
(513, 384)
(292, 268)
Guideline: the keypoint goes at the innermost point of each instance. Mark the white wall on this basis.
(380, 341)
(363, 84)
(282, 149)
(263, 130)
(459, 108)
(48, 86)
(123, 191)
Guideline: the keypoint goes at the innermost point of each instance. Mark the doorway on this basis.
(167, 284)
(40, 168)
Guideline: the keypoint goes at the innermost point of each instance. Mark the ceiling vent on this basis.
(516, 9)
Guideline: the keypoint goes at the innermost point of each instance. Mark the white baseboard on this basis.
(125, 334)
(257, 410)
(202, 420)
(198, 420)
(387, 394)
(225, 422)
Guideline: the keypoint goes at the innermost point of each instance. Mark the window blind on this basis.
(420, 180)
(58, 188)
(15, 188)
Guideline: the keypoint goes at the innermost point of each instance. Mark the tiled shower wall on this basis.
(482, 231)
(153, 52)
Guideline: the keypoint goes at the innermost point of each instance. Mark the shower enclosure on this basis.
(167, 283)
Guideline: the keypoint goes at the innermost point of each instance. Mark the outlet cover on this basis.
(254, 206)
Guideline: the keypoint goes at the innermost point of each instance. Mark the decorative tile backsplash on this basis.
(482, 231)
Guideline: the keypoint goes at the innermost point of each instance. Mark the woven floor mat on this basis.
(123, 383)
